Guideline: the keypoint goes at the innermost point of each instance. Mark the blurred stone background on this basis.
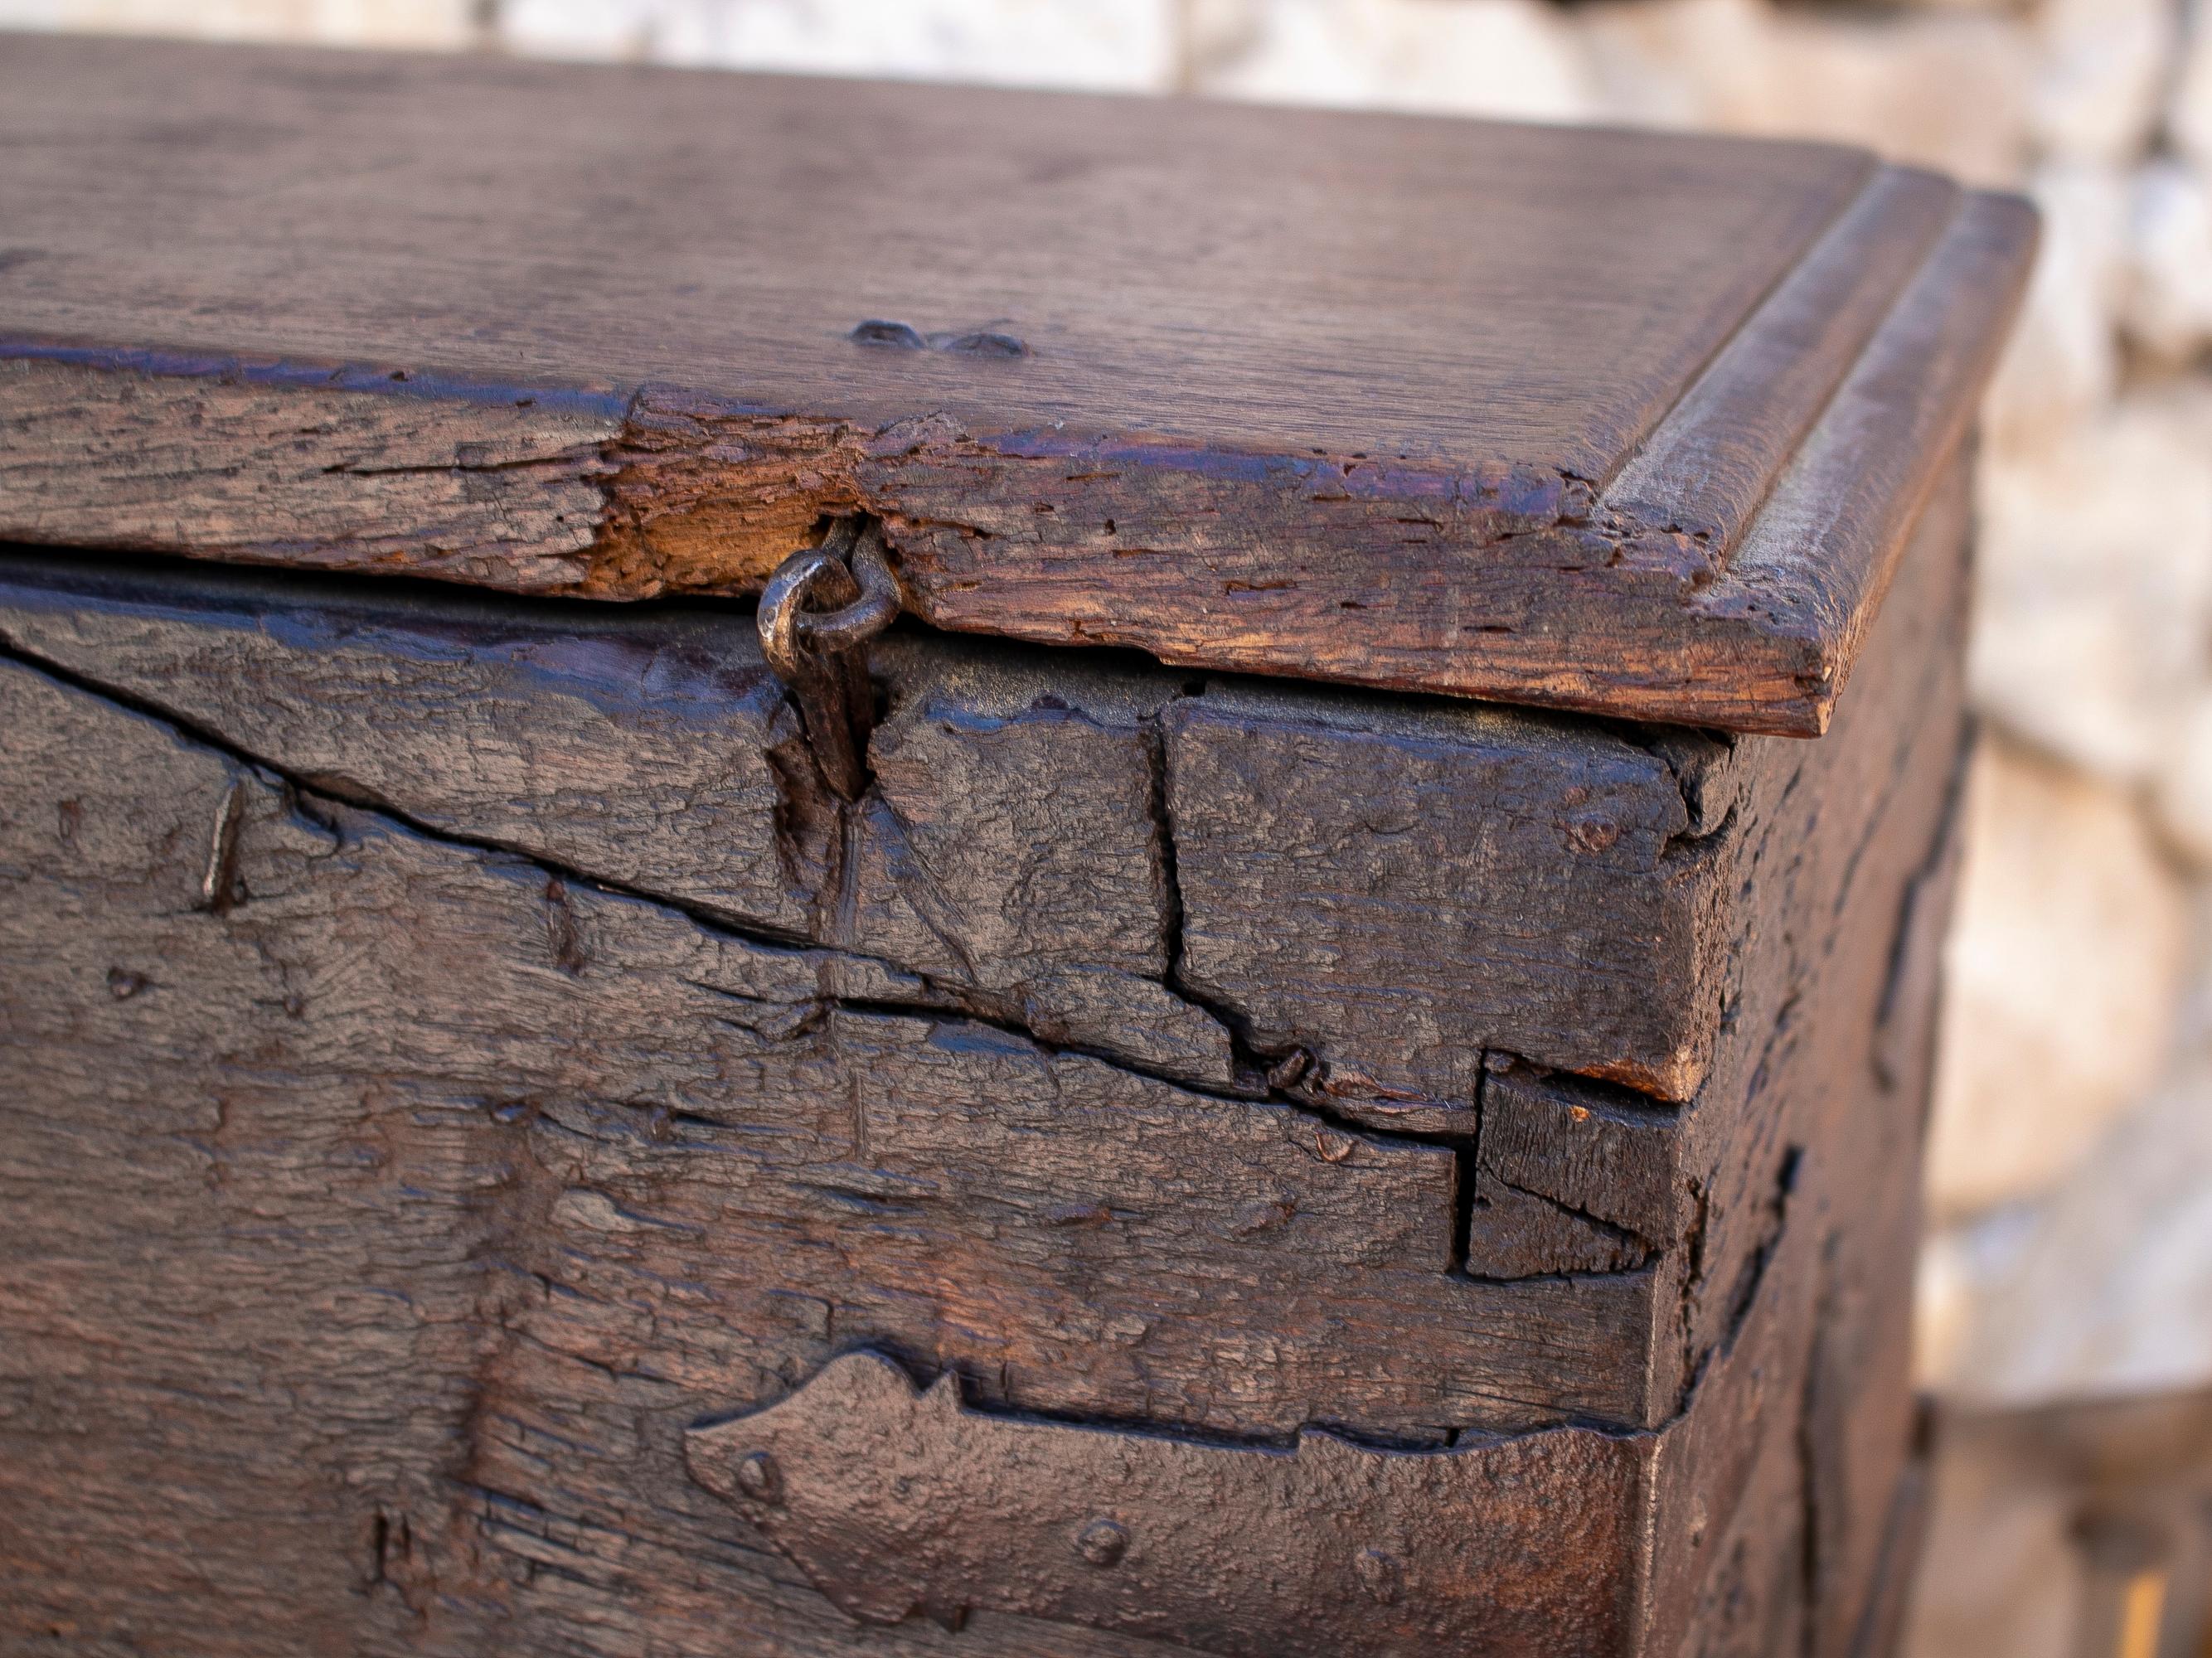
(2071, 1180)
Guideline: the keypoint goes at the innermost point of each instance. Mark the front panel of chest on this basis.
(494, 1144)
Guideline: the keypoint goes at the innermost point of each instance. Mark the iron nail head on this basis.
(759, 1477)
(1103, 1543)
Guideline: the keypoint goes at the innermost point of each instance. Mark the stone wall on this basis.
(2072, 1174)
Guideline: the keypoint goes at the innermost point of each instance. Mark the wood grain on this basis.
(1428, 405)
(1017, 846)
(443, 1065)
(883, 1108)
(1393, 890)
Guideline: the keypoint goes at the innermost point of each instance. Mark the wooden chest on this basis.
(1371, 1107)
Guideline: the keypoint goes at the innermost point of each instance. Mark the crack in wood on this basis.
(958, 1000)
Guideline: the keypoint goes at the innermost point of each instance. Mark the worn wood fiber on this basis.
(453, 1047)
(1114, 856)
(1074, 946)
(1614, 422)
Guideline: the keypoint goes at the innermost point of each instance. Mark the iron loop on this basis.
(817, 613)
(875, 609)
(829, 599)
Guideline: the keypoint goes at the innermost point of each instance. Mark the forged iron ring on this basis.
(850, 558)
(875, 609)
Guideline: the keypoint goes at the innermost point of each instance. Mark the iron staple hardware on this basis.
(817, 613)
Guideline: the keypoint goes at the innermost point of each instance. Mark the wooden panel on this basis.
(1107, 857)
(1420, 404)
(552, 1170)
(845, 1085)
(394, 1192)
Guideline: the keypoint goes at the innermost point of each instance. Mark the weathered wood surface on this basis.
(1805, 1140)
(1027, 886)
(897, 1501)
(1616, 421)
(1339, 868)
(451, 1047)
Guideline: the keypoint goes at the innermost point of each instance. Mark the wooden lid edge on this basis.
(1811, 573)
(1751, 626)
(1518, 584)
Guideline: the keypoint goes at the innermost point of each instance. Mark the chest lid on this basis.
(1602, 420)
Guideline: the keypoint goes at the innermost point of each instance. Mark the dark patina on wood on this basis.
(530, 1060)
(585, 1129)
(894, 1502)
(1614, 422)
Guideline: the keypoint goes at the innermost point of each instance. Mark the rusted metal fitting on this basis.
(891, 1498)
(818, 612)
